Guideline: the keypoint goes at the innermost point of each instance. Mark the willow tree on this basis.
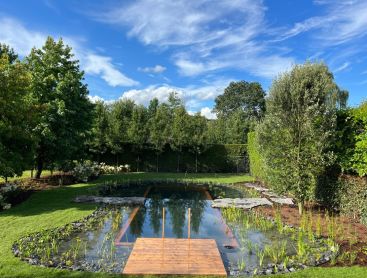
(295, 134)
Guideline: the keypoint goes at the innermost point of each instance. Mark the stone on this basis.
(270, 194)
(245, 203)
(282, 201)
(256, 187)
(123, 201)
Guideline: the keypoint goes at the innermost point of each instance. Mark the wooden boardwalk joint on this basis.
(175, 256)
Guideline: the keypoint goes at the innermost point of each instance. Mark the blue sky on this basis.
(143, 48)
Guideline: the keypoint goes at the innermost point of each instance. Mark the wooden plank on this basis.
(175, 256)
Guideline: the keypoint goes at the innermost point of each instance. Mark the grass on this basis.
(53, 208)
(27, 175)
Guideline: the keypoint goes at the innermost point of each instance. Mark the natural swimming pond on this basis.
(248, 243)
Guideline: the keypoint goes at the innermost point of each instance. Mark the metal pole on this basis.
(189, 223)
(163, 217)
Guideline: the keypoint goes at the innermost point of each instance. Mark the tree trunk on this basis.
(137, 164)
(157, 156)
(300, 208)
(196, 162)
(39, 166)
(178, 162)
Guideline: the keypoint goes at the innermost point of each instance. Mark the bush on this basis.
(5, 195)
(353, 197)
(86, 170)
(109, 169)
(256, 163)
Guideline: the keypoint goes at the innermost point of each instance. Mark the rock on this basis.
(268, 271)
(123, 201)
(245, 203)
(256, 187)
(282, 201)
(270, 194)
(292, 269)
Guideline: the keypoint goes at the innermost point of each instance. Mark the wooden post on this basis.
(189, 224)
(163, 217)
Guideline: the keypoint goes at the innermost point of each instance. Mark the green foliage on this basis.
(215, 158)
(248, 97)
(254, 155)
(15, 116)
(359, 160)
(353, 197)
(296, 132)
(6, 50)
(64, 112)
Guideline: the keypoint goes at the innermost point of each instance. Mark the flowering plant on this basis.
(6, 190)
(86, 170)
(109, 169)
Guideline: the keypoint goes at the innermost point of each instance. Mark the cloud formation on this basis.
(15, 34)
(156, 69)
(206, 36)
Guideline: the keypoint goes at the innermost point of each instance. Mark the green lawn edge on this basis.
(54, 208)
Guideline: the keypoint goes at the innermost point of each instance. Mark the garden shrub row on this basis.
(215, 159)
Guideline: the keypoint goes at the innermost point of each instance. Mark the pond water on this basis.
(182, 211)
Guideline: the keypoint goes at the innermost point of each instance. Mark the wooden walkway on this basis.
(175, 256)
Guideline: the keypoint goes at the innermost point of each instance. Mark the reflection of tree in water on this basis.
(197, 209)
(155, 213)
(136, 226)
(177, 209)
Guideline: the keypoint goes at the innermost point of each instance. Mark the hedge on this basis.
(229, 158)
(256, 164)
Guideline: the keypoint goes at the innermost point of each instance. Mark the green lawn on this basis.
(26, 175)
(53, 208)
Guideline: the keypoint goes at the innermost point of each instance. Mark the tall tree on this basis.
(197, 136)
(137, 131)
(15, 116)
(120, 118)
(159, 130)
(247, 96)
(296, 131)
(180, 132)
(65, 115)
(101, 130)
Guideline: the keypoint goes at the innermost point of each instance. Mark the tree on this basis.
(297, 130)
(120, 118)
(100, 131)
(174, 100)
(64, 111)
(180, 135)
(159, 130)
(137, 131)
(198, 136)
(247, 96)
(15, 116)
(5, 49)
(236, 128)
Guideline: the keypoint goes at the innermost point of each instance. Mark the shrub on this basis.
(256, 163)
(86, 170)
(5, 195)
(109, 169)
(353, 197)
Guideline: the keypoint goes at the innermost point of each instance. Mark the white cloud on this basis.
(15, 34)
(207, 113)
(156, 69)
(95, 99)
(103, 67)
(194, 97)
(342, 67)
(343, 21)
(205, 36)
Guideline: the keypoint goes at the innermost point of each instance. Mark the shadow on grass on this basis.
(51, 200)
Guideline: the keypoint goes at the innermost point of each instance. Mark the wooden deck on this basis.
(175, 256)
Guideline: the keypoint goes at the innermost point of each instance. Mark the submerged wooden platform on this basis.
(175, 256)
